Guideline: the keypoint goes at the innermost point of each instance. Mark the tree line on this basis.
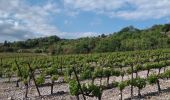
(127, 39)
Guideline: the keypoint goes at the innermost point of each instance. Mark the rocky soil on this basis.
(8, 91)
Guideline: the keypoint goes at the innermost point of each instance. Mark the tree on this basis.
(51, 50)
(6, 44)
(166, 28)
(107, 45)
(53, 39)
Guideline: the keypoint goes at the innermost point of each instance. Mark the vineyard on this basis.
(100, 76)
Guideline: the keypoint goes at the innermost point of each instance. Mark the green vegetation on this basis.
(95, 69)
(90, 74)
(121, 87)
(127, 39)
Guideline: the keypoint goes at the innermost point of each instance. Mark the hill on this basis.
(127, 39)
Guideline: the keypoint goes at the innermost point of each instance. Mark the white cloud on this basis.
(90, 5)
(146, 10)
(127, 9)
(21, 20)
(78, 34)
(11, 30)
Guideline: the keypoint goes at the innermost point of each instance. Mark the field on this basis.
(100, 76)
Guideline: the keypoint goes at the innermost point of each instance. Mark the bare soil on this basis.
(8, 91)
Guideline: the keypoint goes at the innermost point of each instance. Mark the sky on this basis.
(71, 19)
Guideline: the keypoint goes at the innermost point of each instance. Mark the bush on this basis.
(40, 80)
(74, 88)
(122, 85)
(152, 79)
(140, 82)
(115, 84)
(86, 74)
(54, 77)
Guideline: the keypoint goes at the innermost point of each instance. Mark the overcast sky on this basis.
(23, 19)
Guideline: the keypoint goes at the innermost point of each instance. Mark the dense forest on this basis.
(127, 39)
